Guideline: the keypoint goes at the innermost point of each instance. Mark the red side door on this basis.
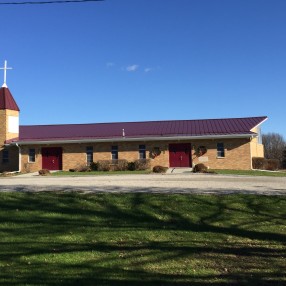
(52, 158)
(180, 155)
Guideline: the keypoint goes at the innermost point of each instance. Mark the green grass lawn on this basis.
(224, 172)
(251, 173)
(141, 239)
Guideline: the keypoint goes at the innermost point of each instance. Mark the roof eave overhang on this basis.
(127, 139)
(259, 123)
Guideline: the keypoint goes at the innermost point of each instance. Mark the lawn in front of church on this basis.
(58, 238)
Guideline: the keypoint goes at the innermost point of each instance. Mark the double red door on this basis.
(180, 155)
(52, 158)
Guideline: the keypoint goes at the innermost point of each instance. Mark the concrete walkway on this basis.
(185, 183)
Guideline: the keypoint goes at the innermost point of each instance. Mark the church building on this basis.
(228, 143)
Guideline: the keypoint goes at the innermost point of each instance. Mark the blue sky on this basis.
(137, 60)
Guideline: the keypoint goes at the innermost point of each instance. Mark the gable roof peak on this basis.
(7, 100)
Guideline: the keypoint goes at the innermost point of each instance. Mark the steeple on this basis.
(9, 112)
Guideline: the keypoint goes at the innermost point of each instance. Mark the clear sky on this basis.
(138, 60)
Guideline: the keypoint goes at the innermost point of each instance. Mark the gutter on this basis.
(124, 139)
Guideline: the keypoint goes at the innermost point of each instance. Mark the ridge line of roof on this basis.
(148, 121)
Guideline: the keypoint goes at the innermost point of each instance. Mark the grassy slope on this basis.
(251, 173)
(141, 239)
(225, 172)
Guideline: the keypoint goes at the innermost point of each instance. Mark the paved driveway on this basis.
(151, 183)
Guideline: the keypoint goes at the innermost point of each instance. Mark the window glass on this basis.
(5, 156)
(89, 155)
(114, 152)
(142, 152)
(32, 155)
(220, 150)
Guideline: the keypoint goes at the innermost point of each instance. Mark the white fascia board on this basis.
(259, 123)
(123, 139)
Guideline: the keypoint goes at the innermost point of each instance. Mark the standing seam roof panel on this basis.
(141, 129)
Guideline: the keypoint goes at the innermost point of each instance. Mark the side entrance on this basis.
(180, 155)
(52, 158)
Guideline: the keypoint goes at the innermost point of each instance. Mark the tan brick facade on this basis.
(237, 153)
(13, 151)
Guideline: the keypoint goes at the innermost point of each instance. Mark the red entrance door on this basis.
(52, 158)
(180, 155)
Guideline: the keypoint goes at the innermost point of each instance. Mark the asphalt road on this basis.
(149, 183)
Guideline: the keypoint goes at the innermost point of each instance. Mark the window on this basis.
(114, 152)
(89, 155)
(142, 152)
(5, 156)
(32, 155)
(220, 150)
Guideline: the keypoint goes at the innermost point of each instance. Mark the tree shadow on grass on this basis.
(141, 239)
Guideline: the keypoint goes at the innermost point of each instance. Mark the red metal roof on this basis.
(172, 128)
(6, 100)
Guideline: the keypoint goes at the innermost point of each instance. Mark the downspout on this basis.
(20, 158)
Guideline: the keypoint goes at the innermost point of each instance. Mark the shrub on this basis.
(84, 169)
(143, 164)
(94, 166)
(104, 165)
(122, 165)
(44, 172)
(258, 163)
(200, 168)
(131, 166)
(265, 164)
(160, 169)
(272, 164)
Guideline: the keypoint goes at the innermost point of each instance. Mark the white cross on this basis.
(5, 73)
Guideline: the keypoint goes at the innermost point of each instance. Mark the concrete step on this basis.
(179, 170)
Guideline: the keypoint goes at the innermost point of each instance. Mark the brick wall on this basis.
(237, 153)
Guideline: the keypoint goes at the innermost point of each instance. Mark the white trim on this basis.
(259, 123)
(20, 158)
(250, 141)
(140, 139)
